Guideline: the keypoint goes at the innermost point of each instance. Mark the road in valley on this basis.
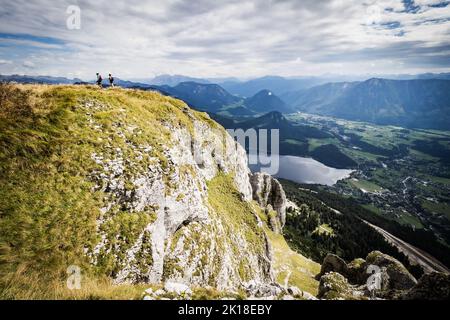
(415, 255)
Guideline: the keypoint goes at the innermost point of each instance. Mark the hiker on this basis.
(111, 80)
(99, 80)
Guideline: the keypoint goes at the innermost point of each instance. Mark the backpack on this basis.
(100, 79)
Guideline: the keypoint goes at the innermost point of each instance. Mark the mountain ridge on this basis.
(266, 101)
(410, 103)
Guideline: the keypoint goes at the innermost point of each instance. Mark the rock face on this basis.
(388, 276)
(398, 276)
(431, 286)
(269, 194)
(190, 237)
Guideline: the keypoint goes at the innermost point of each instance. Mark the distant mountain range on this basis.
(174, 80)
(215, 99)
(315, 98)
(206, 97)
(281, 85)
(408, 103)
(419, 103)
(62, 80)
(37, 79)
(277, 85)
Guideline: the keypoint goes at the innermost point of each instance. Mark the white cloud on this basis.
(228, 38)
(28, 64)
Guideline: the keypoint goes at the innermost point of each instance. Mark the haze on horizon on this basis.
(233, 38)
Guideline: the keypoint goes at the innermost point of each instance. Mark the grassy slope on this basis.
(291, 267)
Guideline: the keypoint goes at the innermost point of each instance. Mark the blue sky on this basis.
(240, 38)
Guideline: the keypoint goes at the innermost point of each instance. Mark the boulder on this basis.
(257, 289)
(432, 286)
(392, 269)
(294, 291)
(333, 286)
(333, 263)
(177, 288)
(308, 296)
(357, 271)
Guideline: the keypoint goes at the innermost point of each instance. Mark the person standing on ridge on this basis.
(99, 80)
(111, 80)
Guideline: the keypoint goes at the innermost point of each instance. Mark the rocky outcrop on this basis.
(333, 263)
(334, 286)
(392, 270)
(356, 271)
(251, 290)
(189, 236)
(269, 194)
(431, 286)
(379, 275)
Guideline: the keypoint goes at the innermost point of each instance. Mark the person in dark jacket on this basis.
(111, 80)
(99, 80)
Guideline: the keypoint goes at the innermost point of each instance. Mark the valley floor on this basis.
(402, 174)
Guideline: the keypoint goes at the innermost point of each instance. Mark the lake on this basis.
(307, 170)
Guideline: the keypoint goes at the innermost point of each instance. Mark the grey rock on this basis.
(308, 296)
(294, 291)
(356, 273)
(333, 263)
(334, 286)
(177, 288)
(269, 194)
(257, 289)
(392, 269)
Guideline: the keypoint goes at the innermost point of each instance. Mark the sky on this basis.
(229, 38)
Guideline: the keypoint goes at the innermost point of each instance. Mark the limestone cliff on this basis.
(203, 229)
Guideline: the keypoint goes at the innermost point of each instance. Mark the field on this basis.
(365, 186)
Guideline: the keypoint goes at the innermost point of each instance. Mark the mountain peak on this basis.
(264, 92)
(204, 96)
(266, 101)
